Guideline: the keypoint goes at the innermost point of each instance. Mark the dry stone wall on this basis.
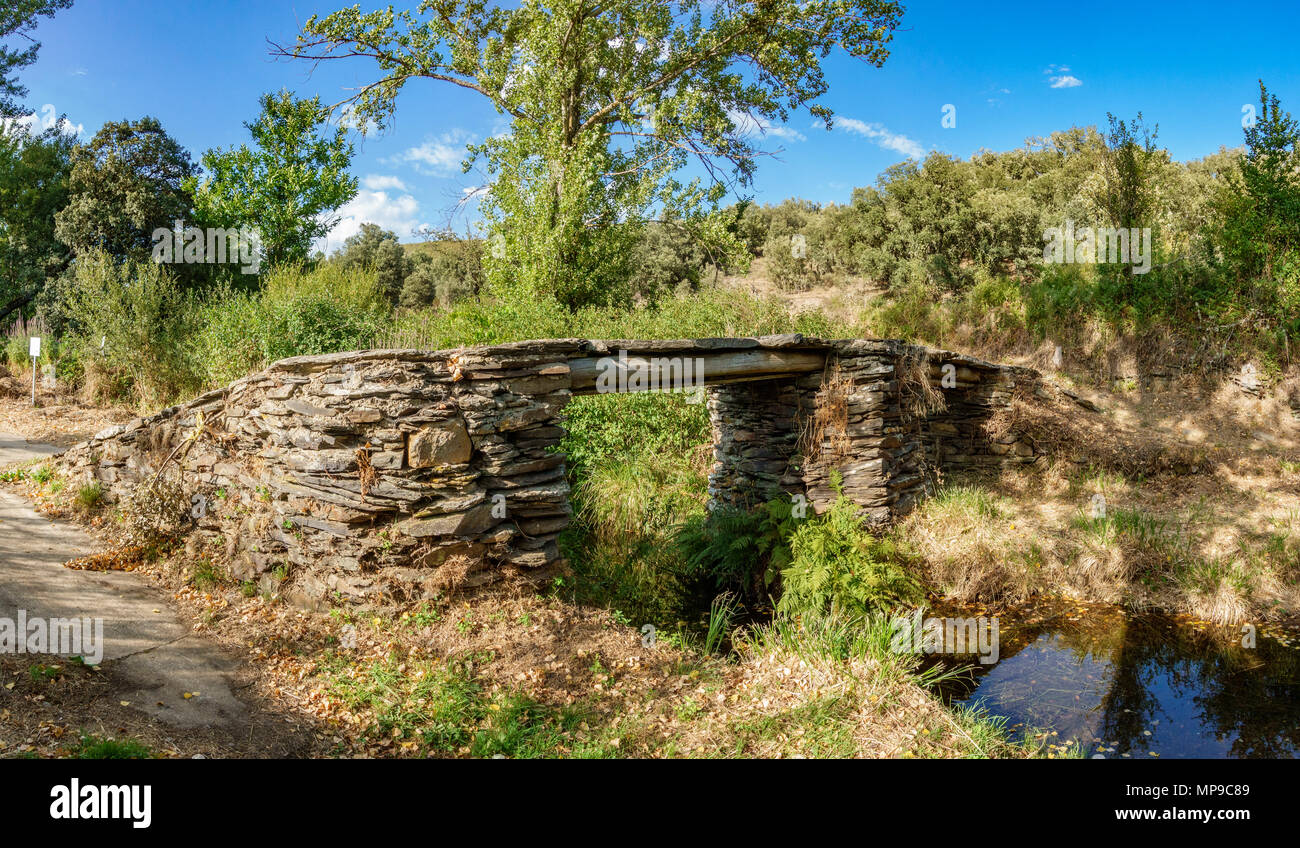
(365, 476)
(382, 476)
(883, 417)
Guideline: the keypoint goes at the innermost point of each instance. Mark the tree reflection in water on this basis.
(1139, 685)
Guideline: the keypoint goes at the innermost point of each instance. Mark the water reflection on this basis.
(1143, 686)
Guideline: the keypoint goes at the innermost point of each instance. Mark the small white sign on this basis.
(34, 348)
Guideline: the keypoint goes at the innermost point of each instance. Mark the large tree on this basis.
(126, 183)
(18, 19)
(288, 186)
(34, 170)
(377, 249)
(1270, 184)
(1127, 193)
(607, 100)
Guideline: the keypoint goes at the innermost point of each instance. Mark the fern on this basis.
(741, 551)
(837, 566)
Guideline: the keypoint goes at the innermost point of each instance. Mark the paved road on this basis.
(151, 651)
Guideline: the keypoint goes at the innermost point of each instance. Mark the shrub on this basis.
(443, 272)
(134, 326)
(666, 260)
(155, 511)
(838, 567)
(298, 312)
(608, 429)
(741, 550)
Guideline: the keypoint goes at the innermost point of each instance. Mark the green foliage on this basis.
(739, 550)
(620, 543)
(92, 747)
(90, 496)
(972, 501)
(709, 312)
(1127, 193)
(632, 91)
(838, 567)
(447, 711)
(288, 187)
(606, 429)
(126, 183)
(18, 18)
(665, 260)
(134, 327)
(296, 313)
(446, 270)
(376, 249)
(1262, 210)
(34, 173)
(139, 336)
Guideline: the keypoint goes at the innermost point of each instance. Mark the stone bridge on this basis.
(392, 474)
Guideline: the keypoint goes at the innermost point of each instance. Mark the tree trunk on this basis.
(17, 303)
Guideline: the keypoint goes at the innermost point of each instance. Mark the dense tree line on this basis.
(586, 206)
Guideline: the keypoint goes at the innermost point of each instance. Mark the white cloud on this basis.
(749, 125)
(397, 213)
(383, 182)
(437, 157)
(882, 137)
(1060, 77)
(47, 118)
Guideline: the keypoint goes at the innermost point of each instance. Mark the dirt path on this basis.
(150, 659)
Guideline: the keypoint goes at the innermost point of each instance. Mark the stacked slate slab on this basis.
(888, 454)
(368, 477)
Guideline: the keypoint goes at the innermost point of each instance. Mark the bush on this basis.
(739, 550)
(443, 277)
(666, 260)
(838, 567)
(297, 313)
(608, 429)
(155, 511)
(134, 328)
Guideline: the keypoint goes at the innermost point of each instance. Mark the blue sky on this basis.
(1026, 69)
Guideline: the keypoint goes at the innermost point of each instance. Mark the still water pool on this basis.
(1142, 686)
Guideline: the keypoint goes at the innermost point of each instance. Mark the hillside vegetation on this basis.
(1199, 480)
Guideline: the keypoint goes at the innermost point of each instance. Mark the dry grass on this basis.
(1204, 550)
(60, 420)
(825, 435)
(916, 390)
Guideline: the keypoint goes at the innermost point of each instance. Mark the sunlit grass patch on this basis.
(443, 709)
(92, 747)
